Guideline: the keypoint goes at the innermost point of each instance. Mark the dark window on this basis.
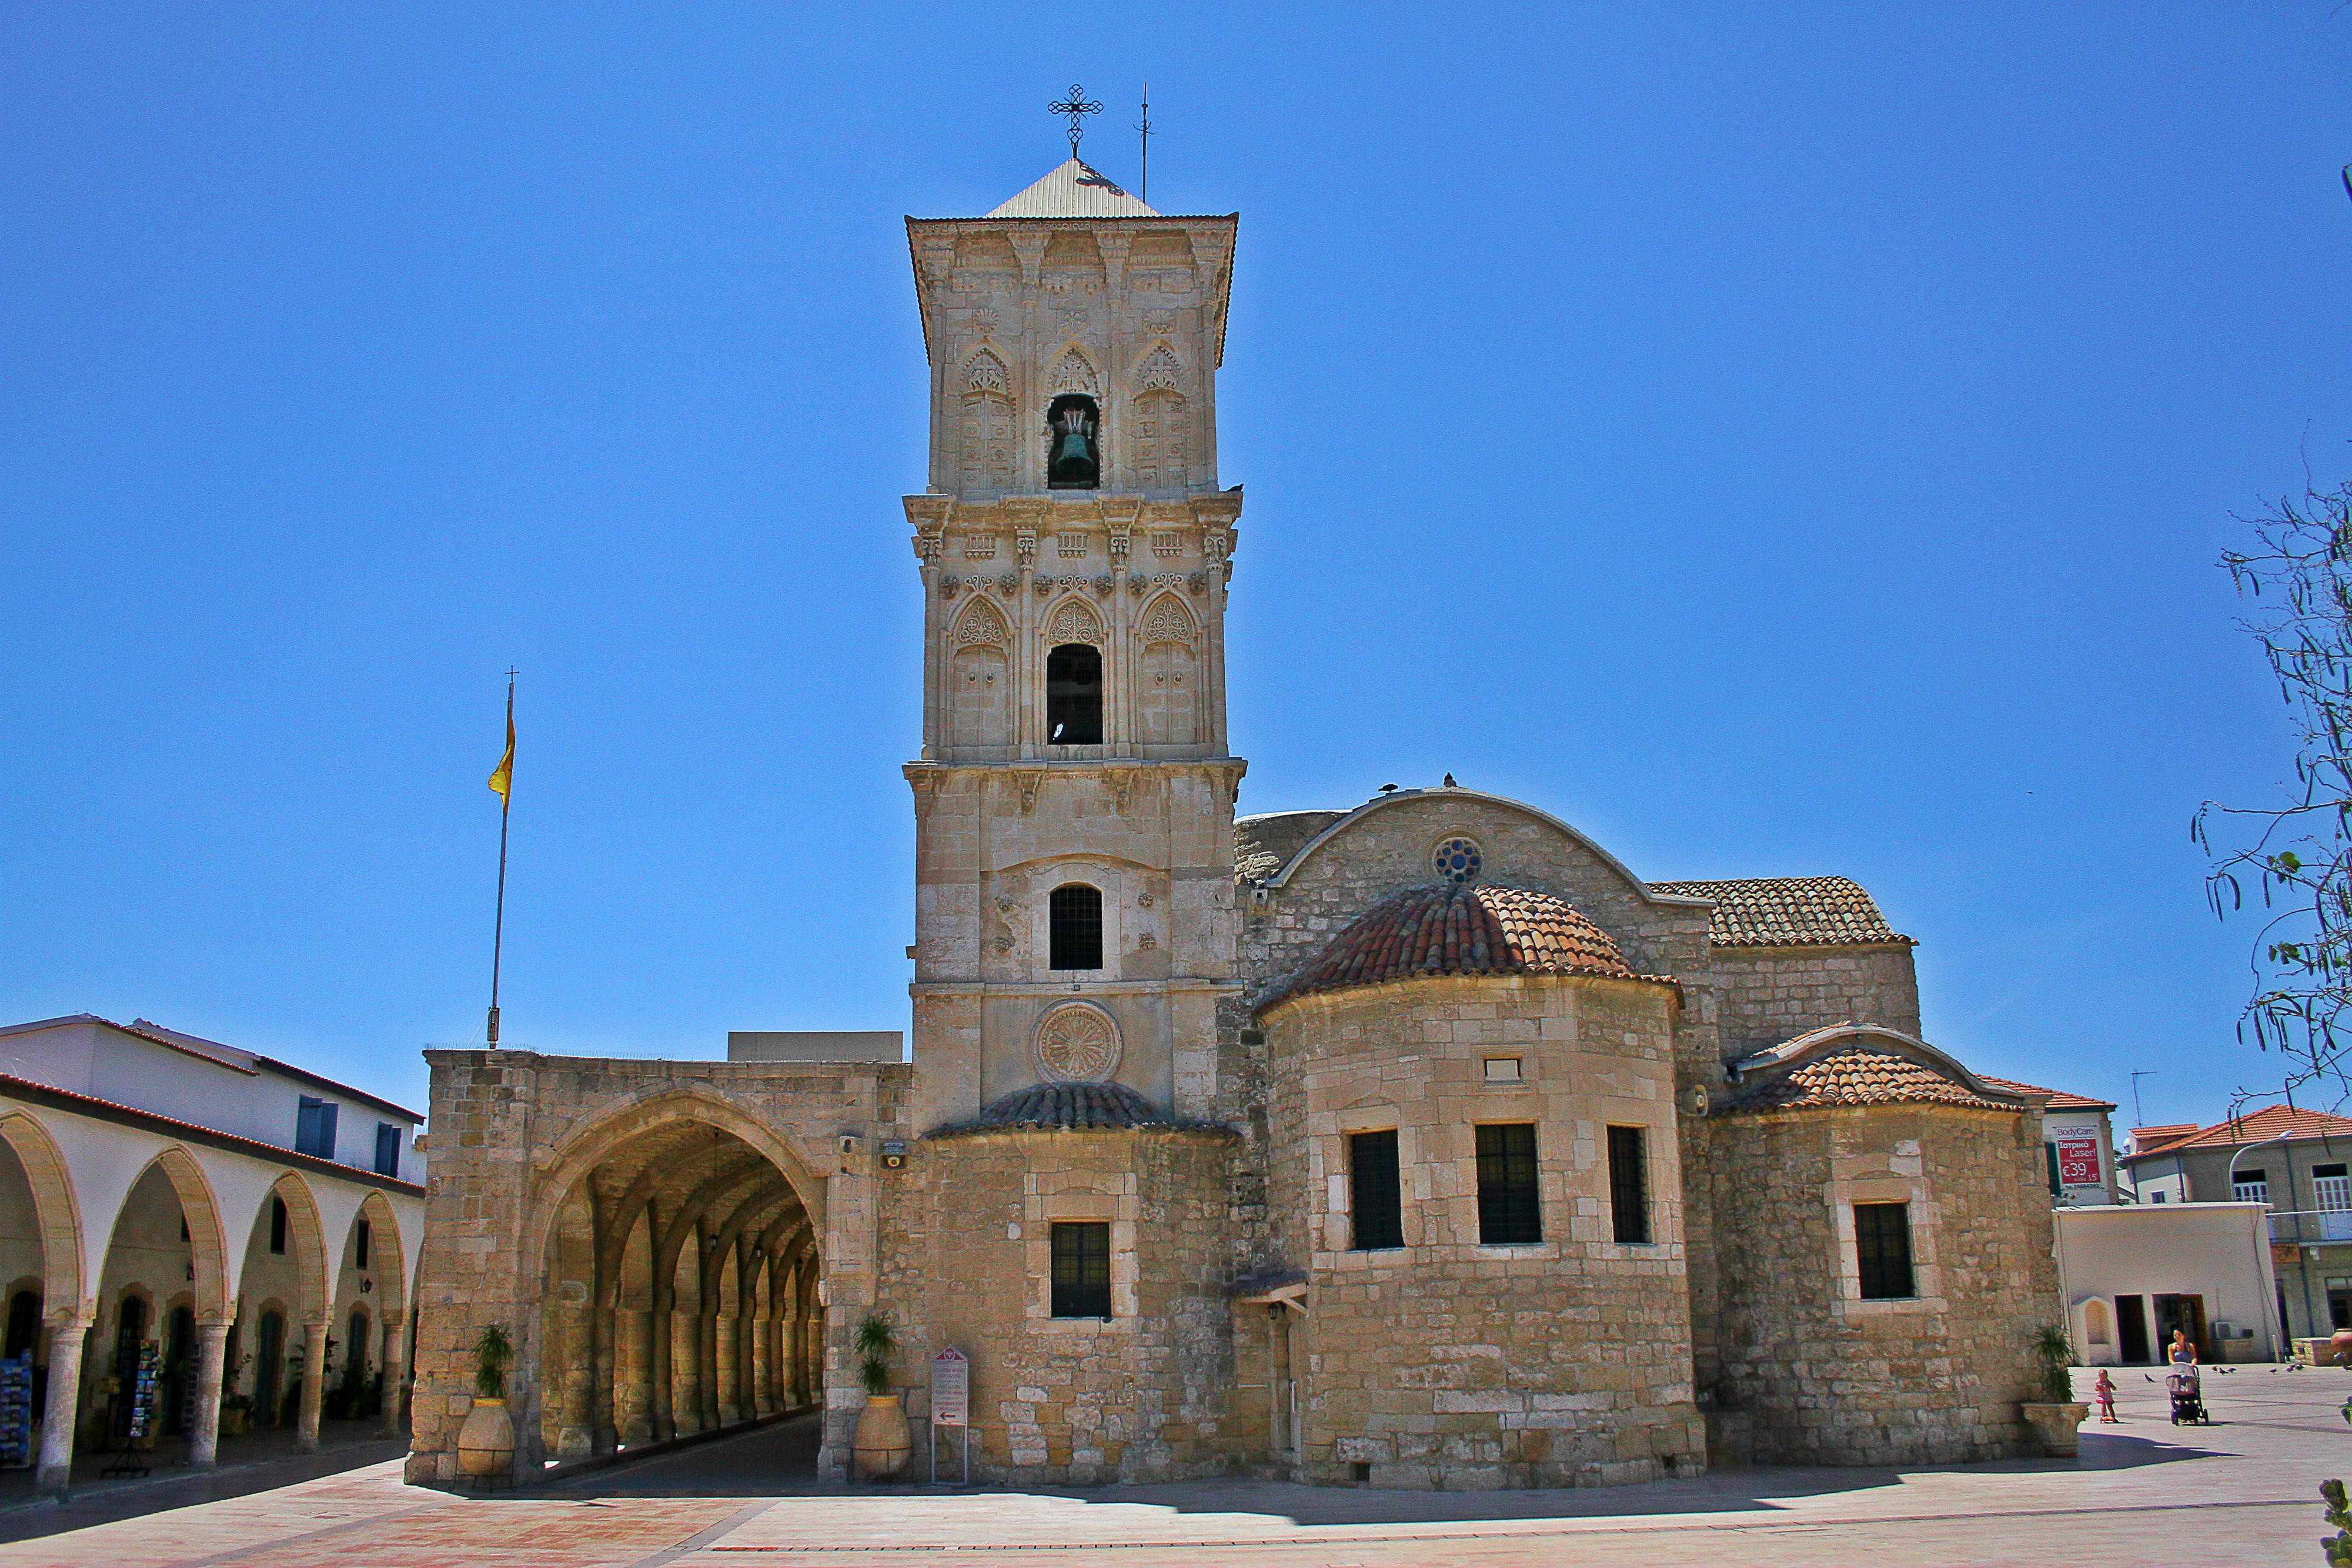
(1073, 694)
(1882, 1241)
(1073, 444)
(314, 1128)
(388, 1149)
(1629, 1184)
(24, 1325)
(1508, 1211)
(278, 1226)
(1372, 1191)
(1082, 1269)
(362, 1234)
(2050, 1153)
(1073, 916)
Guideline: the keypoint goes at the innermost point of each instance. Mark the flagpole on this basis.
(499, 930)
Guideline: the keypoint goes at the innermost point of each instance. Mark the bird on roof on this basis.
(1450, 784)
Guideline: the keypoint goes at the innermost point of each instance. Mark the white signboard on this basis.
(951, 1389)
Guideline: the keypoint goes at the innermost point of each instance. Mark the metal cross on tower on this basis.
(1075, 107)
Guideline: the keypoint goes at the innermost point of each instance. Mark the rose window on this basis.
(1457, 860)
(1077, 1042)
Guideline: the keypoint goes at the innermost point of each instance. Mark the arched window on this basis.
(24, 1325)
(278, 1226)
(1074, 696)
(1073, 444)
(1073, 914)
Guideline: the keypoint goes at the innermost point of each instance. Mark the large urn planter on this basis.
(2055, 1426)
(486, 1442)
(883, 1443)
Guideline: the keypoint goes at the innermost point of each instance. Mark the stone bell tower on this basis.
(1074, 799)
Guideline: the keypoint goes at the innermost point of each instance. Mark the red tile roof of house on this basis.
(1859, 1075)
(2145, 1138)
(1479, 928)
(2281, 1122)
(1790, 912)
(2059, 1099)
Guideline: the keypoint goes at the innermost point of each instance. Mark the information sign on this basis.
(951, 1389)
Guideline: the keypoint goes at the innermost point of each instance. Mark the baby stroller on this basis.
(2187, 1393)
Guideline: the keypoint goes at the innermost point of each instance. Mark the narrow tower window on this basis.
(1881, 1244)
(1373, 1191)
(1074, 696)
(1074, 916)
(1073, 444)
(1081, 1262)
(1629, 1186)
(1508, 1212)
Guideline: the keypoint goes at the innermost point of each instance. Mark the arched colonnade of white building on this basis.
(274, 1285)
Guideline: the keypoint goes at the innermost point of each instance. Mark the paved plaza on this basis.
(2243, 1491)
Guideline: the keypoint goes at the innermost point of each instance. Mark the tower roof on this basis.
(1073, 189)
(1452, 929)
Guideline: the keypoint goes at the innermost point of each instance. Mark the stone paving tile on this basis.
(2245, 1491)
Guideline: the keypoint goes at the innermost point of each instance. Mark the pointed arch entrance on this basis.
(677, 1296)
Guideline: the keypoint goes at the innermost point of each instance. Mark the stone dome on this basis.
(1474, 928)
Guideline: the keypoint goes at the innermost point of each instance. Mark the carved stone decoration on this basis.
(1198, 582)
(949, 584)
(1077, 1042)
(1008, 581)
(980, 626)
(1160, 371)
(1072, 374)
(1103, 586)
(1159, 320)
(1029, 782)
(1074, 623)
(985, 372)
(1168, 622)
(1137, 586)
(1147, 941)
(1043, 585)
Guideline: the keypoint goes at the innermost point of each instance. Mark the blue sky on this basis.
(1778, 444)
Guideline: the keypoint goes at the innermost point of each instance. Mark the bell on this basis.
(1073, 458)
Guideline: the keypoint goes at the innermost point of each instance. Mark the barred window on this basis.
(1882, 1242)
(1508, 1211)
(1074, 927)
(1629, 1184)
(1081, 1269)
(1379, 1220)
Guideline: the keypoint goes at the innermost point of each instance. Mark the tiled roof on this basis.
(2255, 1127)
(1073, 1108)
(1264, 845)
(1789, 912)
(1481, 928)
(1859, 1075)
(1073, 189)
(2059, 1099)
(2144, 1139)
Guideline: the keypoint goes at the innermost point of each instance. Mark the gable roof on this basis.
(2059, 1100)
(2284, 1123)
(1790, 912)
(1073, 189)
(233, 1058)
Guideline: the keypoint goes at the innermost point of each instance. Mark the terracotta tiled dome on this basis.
(1477, 928)
(1857, 1075)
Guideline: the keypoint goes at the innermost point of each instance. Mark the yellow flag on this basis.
(502, 779)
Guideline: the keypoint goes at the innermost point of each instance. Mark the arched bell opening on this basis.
(1074, 696)
(1072, 443)
(658, 1316)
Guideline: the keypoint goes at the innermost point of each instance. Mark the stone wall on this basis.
(1768, 995)
(966, 1254)
(1811, 1373)
(1448, 1363)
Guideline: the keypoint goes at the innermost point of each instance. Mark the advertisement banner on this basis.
(2078, 1156)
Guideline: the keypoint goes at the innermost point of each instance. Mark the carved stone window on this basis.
(1074, 927)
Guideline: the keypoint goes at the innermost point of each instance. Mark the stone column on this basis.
(314, 1382)
(66, 1340)
(705, 1366)
(212, 1360)
(603, 1435)
(395, 1372)
(663, 1412)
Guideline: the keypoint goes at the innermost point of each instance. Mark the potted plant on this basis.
(2055, 1416)
(486, 1442)
(883, 1443)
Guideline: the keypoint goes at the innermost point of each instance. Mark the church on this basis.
(1416, 1143)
